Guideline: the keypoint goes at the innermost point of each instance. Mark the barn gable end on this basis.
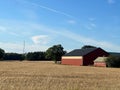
(90, 57)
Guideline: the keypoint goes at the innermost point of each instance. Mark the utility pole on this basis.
(24, 47)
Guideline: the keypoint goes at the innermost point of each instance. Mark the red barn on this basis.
(83, 57)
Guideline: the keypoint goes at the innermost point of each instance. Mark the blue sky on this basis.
(72, 23)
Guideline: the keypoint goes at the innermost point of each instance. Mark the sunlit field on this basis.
(28, 75)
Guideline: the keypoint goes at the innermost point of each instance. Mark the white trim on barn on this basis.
(71, 57)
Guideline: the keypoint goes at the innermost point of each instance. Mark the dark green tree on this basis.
(113, 61)
(55, 52)
(88, 46)
(2, 52)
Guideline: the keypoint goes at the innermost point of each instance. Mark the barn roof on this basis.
(80, 52)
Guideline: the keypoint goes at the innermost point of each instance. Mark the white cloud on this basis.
(40, 39)
(13, 33)
(79, 38)
(2, 28)
(44, 39)
(7, 30)
(86, 41)
(91, 26)
(111, 1)
(18, 47)
(11, 47)
(92, 19)
(72, 21)
(29, 13)
(47, 8)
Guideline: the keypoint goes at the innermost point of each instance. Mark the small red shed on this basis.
(100, 62)
(83, 57)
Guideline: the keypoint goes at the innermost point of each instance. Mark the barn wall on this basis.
(72, 60)
(99, 64)
(89, 58)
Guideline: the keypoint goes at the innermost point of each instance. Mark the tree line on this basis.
(53, 53)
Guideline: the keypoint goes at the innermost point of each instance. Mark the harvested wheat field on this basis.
(28, 75)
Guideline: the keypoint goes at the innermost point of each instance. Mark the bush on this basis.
(113, 61)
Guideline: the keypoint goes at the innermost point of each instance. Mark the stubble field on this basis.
(28, 75)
